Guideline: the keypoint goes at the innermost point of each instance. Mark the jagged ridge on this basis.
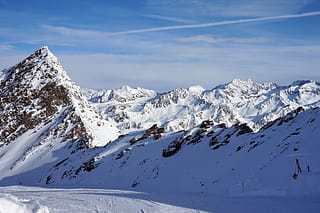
(181, 109)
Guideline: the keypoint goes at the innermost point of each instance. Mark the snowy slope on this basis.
(208, 160)
(227, 170)
(122, 201)
(211, 161)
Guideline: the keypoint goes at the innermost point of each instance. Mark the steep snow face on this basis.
(37, 91)
(215, 160)
(181, 109)
(206, 160)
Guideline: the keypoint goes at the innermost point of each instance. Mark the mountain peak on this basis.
(241, 83)
(35, 69)
(38, 90)
(196, 90)
(44, 47)
(43, 53)
(246, 86)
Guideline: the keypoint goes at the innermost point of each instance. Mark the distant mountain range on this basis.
(240, 137)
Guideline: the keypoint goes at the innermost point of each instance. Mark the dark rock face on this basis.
(154, 130)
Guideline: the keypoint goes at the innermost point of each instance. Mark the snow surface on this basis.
(12, 204)
(42, 200)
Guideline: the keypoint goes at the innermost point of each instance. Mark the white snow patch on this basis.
(12, 204)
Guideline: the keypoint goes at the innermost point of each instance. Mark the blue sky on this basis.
(163, 44)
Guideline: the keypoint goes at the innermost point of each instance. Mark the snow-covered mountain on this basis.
(181, 109)
(241, 137)
(41, 109)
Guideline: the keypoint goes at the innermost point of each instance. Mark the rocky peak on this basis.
(247, 87)
(172, 97)
(35, 71)
(37, 91)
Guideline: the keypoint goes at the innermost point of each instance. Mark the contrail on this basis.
(213, 24)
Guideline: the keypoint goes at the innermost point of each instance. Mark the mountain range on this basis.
(239, 137)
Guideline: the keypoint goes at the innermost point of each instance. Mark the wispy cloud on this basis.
(80, 32)
(205, 66)
(232, 8)
(198, 38)
(6, 47)
(211, 39)
(66, 31)
(214, 24)
(172, 19)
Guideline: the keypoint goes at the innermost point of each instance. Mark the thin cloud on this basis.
(265, 63)
(198, 38)
(234, 8)
(210, 40)
(71, 32)
(6, 47)
(93, 33)
(213, 24)
(172, 19)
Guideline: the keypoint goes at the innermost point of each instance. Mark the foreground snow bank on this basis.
(11, 204)
(92, 200)
(82, 200)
